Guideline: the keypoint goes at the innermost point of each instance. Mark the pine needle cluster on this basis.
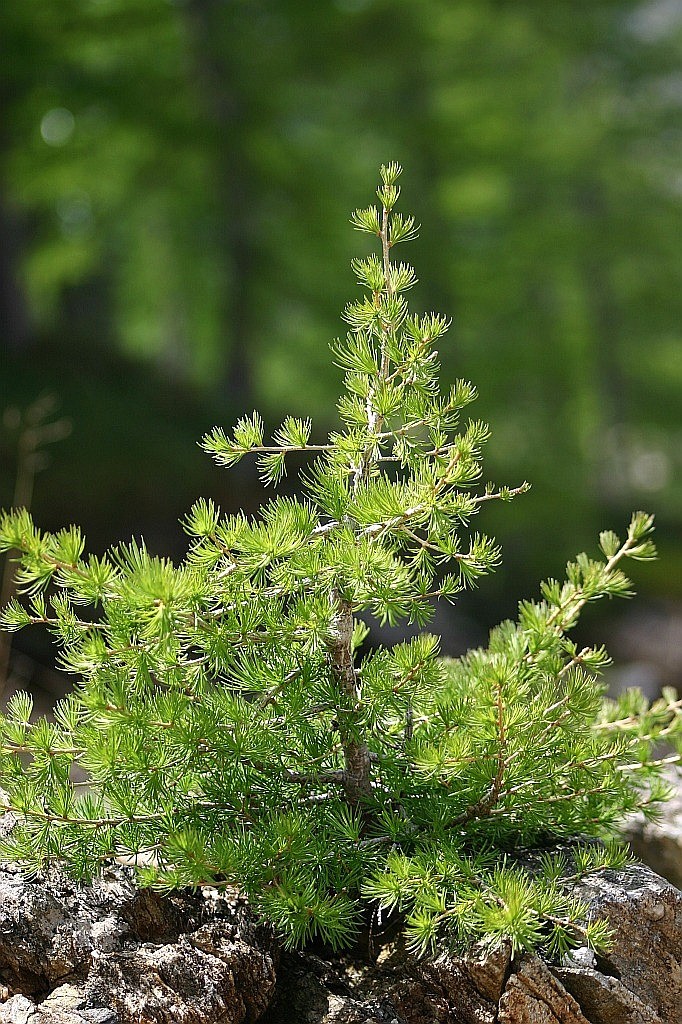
(230, 726)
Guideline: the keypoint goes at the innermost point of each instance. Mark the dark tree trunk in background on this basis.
(225, 106)
(15, 326)
(612, 382)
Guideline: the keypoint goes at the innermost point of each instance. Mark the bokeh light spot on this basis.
(57, 126)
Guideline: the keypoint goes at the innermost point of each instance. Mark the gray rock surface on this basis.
(659, 843)
(110, 954)
(607, 999)
(645, 914)
(217, 973)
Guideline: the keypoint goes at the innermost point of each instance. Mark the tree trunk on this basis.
(209, 28)
(15, 326)
(357, 782)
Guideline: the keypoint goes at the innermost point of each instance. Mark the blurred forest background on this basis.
(176, 178)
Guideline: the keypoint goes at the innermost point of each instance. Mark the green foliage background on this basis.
(174, 178)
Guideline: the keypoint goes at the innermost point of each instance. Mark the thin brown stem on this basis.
(357, 782)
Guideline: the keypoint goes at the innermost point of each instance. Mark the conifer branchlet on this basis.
(232, 730)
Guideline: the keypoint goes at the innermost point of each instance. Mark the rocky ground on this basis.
(110, 954)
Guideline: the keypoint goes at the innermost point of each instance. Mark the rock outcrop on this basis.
(110, 954)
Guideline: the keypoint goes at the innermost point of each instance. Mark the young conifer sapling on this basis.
(232, 729)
